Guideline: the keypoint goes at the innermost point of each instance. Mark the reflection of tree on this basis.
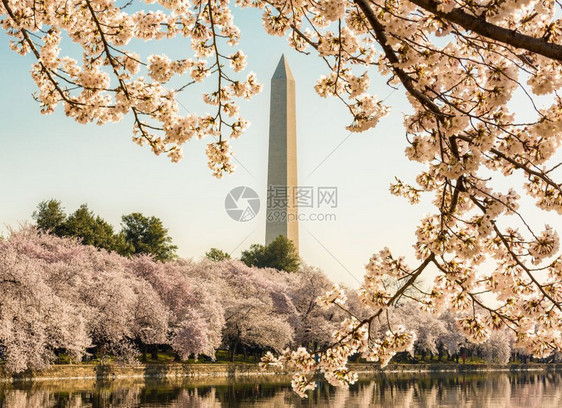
(196, 398)
(479, 390)
(27, 399)
(399, 390)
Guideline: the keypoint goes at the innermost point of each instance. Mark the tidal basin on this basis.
(526, 389)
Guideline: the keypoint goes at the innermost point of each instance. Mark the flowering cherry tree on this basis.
(34, 319)
(195, 315)
(315, 324)
(64, 297)
(497, 348)
(257, 312)
(460, 62)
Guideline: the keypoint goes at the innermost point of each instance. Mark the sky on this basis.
(51, 156)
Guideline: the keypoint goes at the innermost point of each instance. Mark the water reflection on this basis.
(489, 390)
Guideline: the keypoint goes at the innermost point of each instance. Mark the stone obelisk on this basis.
(282, 209)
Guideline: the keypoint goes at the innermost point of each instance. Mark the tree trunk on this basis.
(144, 351)
(154, 352)
(233, 348)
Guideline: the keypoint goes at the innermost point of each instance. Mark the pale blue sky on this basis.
(51, 156)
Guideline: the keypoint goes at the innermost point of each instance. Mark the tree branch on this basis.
(390, 54)
(494, 32)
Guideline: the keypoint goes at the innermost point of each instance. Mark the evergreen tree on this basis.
(217, 255)
(50, 216)
(280, 254)
(94, 230)
(147, 235)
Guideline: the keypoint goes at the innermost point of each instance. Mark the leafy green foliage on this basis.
(280, 254)
(140, 234)
(94, 230)
(217, 255)
(50, 216)
(147, 235)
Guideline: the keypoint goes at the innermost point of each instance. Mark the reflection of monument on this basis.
(282, 210)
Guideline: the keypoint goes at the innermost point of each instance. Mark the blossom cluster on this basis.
(112, 81)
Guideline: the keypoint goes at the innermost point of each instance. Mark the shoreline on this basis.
(233, 371)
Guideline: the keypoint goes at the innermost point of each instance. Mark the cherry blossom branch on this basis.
(482, 27)
(36, 53)
(406, 80)
(516, 164)
(219, 69)
(122, 84)
(515, 257)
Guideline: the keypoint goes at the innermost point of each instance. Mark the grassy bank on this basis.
(239, 370)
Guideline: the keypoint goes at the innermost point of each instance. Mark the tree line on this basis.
(139, 234)
(63, 298)
(142, 234)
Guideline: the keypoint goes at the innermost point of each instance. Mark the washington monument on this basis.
(282, 210)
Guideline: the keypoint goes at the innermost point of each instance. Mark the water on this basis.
(475, 390)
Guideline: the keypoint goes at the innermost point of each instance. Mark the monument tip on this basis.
(283, 71)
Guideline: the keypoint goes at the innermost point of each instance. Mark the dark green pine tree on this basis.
(50, 216)
(94, 230)
(217, 255)
(279, 254)
(147, 235)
